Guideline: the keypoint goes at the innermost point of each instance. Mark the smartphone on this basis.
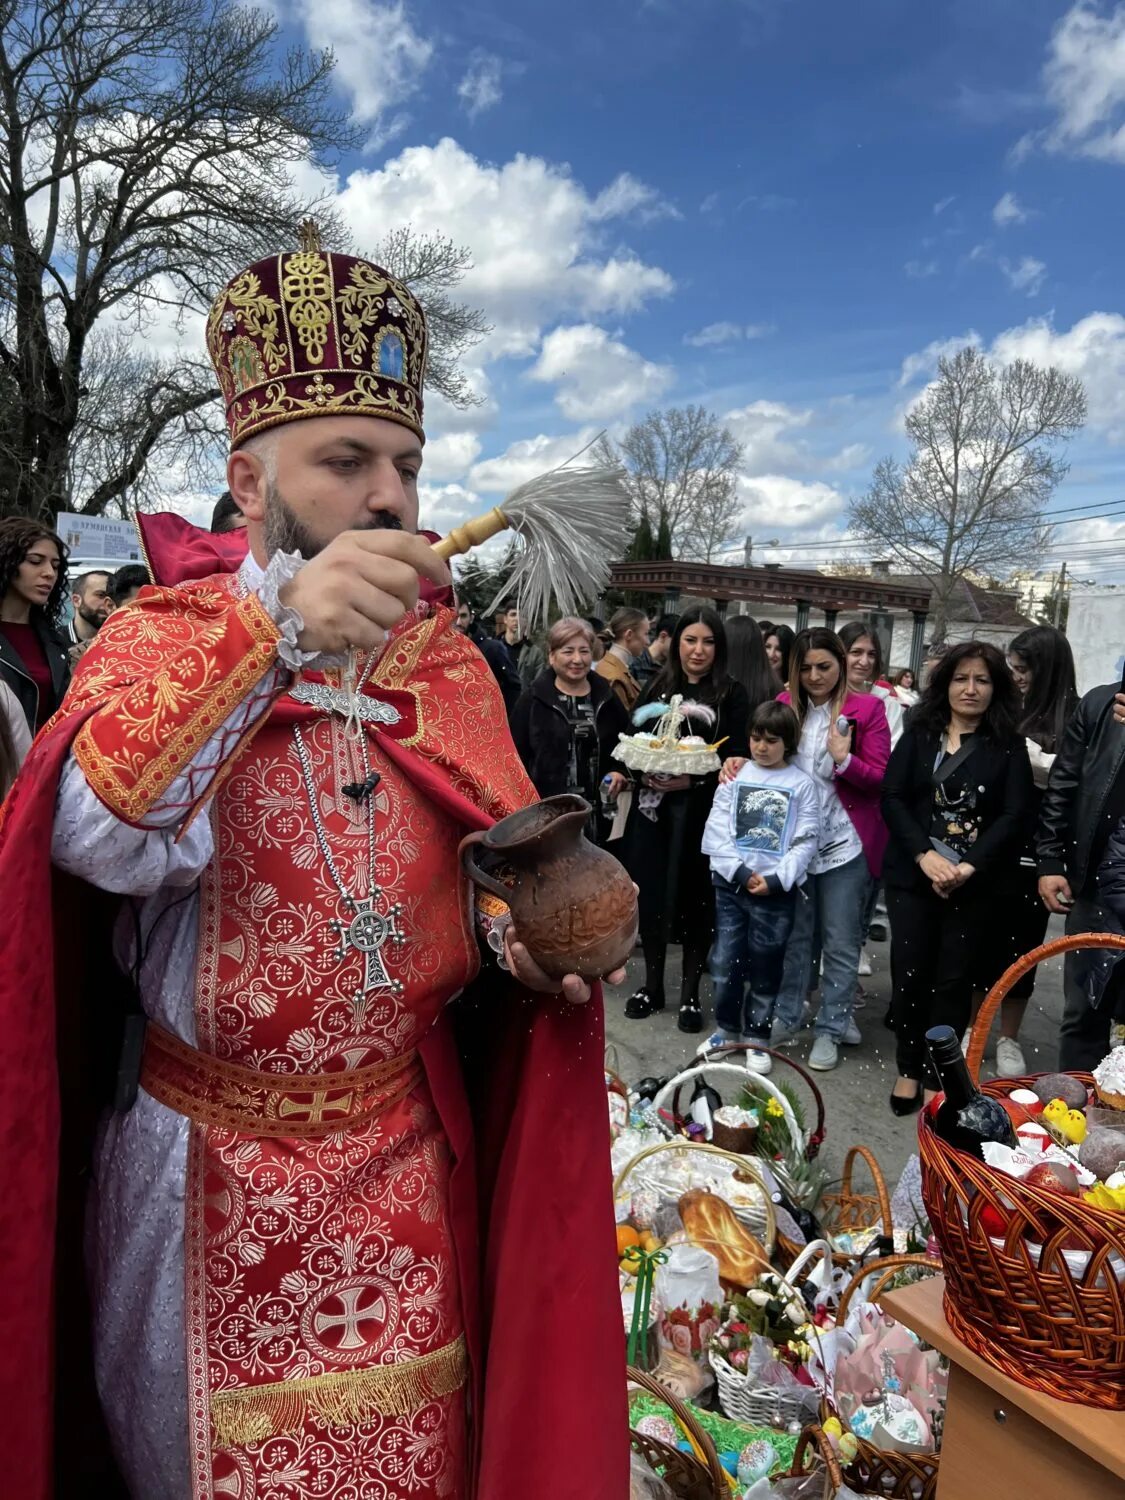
(843, 724)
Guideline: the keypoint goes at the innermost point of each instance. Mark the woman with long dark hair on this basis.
(33, 660)
(844, 747)
(747, 661)
(1042, 667)
(864, 651)
(957, 800)
(664, 837)
(778, 641)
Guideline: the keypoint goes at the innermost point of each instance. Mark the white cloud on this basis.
(379, 56)
(527, 459)
(1025, 275)
(943, 203)
(924, 363)
(1093, 349)
(1009, 210)
(451, 455)
(627, 196)
(918, 270)
(441, 506)
(535, 235)
(480, 88)
(596, 376)
(778, 502)
(727, 333)
(761, 428)
(1085, 79)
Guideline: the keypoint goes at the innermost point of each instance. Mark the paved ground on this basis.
(856, 1092)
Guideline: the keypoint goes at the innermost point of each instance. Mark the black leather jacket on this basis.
(1085, 795)
(15, 673)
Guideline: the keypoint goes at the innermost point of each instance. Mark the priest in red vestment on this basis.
(348, 1222)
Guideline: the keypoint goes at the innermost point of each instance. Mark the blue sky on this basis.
(782, 209)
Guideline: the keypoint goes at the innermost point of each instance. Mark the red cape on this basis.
(548, 1335)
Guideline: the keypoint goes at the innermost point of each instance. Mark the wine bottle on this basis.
(705, 1100)
(966, 1117)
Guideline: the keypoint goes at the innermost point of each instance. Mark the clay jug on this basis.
(573, 905)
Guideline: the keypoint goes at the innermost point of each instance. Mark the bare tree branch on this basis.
(682, 467)
(984, 463)
(147, 153)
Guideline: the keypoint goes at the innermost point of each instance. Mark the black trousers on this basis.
(933, 956)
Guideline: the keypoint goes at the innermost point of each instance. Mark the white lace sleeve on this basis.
(283, 568)
(88, 841)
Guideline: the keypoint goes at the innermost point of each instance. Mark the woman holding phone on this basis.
(844, 746)
(958, 802)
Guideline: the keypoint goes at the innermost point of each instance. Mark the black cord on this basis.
(141, 945)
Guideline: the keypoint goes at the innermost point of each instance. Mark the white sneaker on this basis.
(716, 1039)
(1010, 1061)
(864, 963)
(852, 1037)
(824, 1055)
(757, 1062)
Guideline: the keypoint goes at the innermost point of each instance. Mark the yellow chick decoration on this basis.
(1070, 1123)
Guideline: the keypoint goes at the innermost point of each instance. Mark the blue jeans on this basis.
(749, 949)
(829, 921)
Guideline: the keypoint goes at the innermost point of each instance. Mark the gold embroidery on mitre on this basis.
(306, 289)
(253, 311)
(364, 398)
(251, 1414)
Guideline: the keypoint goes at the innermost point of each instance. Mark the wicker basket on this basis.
(762, 1220)
(690, 1476)
(743, 1400)
(848, 1211)
(813, 1437)
(724, 1057)
(1045, 1305)
(882, 1471)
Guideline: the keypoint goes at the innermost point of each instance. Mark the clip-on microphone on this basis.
(359, 791)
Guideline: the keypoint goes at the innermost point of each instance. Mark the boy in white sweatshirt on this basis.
(761, 835)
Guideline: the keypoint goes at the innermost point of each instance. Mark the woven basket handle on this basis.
(863, 1154)
(702, 1444)
(814, 1437)
(817, 1136)
(883, 1270)
(985, 1016)
(744, 1164)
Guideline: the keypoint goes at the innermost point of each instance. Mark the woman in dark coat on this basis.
(957, 801)
(567, 723)
(33, 660)
(664, 836)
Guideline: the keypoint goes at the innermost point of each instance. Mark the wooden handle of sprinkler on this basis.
(465, 538)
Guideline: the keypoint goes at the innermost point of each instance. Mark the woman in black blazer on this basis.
(957, 799)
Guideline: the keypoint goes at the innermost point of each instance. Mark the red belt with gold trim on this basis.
(213, 1092)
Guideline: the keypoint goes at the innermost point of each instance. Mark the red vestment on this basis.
(284, 1280)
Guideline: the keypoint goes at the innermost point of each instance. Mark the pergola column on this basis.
(802, 615)
(917, 644)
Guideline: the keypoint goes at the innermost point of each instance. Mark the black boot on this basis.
(690, 1017)
(640, 1005)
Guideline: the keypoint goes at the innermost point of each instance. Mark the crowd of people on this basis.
(852, 799)
(843, 785)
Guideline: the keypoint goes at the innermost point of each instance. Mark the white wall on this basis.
(1096, 631)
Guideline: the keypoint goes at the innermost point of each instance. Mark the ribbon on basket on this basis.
(646, 1262)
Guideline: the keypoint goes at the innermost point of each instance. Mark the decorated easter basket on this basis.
(1046, 1304)
(660, 750)
(697, 1475)
(748, 1198)
(882, 1471)
(743, 1398)
(812, 1446)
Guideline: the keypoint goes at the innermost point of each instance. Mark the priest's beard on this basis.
(284, 532)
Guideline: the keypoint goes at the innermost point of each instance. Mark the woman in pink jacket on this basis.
(846, 762)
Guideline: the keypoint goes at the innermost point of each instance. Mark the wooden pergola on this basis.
(806, 591)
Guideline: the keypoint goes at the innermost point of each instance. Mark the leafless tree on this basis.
(149, 149)
(682, 466)
(984, 462)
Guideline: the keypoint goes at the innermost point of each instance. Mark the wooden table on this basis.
(1003, 1441)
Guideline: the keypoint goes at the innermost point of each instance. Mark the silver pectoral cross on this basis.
(368, 932)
